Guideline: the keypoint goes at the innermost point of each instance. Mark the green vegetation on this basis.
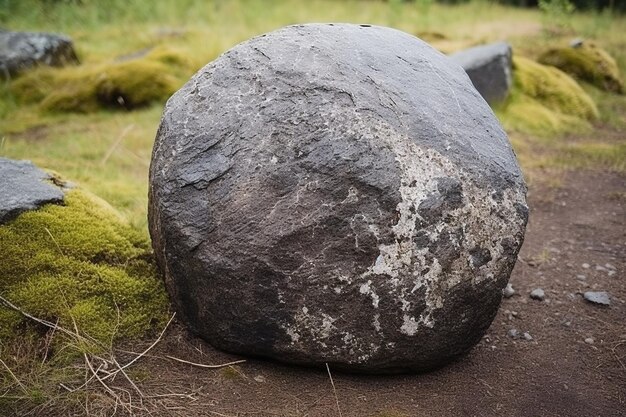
(127, 83)
(545, 101)
(79, 263)
(588, 62)
(78, 267)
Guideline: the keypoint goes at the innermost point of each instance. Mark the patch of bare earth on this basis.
(574, 231)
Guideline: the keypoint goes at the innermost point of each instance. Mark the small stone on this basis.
(260, 378)
(597, 297)
(567, 324)
(589, 340)
(586, 265)
(576, 43)
(513, 333)
(538, 294)
(581, 277)
(609, 266)
(611, 273)
(508, 291)
(527, 336)
(600, 268)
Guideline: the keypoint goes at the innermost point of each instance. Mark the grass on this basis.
(105, 147)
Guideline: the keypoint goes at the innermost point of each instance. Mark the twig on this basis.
(14, 377)
(201, 365)
(116, 143)
(334, 390)
(47, 323)
(49, 338)
(55, 241)
(136, 358)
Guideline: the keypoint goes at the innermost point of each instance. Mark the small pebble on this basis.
(537, 294)
(508, 291)
(611, 273)
(597, 297)
(581, 277)
(260, 378)
(513, 333)
(600, 268)
(609, 266)
(527, 336)
(576, 43)
(589, 341)
(586, 265)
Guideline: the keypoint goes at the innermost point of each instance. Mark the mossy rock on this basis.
(587, 62)
(545, 101)
(79, 263)
(126, 84)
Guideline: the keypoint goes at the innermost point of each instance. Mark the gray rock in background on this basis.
(490, 68)
(22, 50)
(24, 187)
(335, 194)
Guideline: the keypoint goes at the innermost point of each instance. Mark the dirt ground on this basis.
(575, 229)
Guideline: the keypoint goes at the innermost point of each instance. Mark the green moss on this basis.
(587, 62)
(82, 264)
(545, 101)
(120, 84)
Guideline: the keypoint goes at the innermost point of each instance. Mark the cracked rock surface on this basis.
(335, 194)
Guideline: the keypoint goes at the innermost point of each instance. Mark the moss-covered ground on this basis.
(95, 123)
(76, 266)
(587, 62)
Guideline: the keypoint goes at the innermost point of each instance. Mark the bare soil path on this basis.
(575, 230)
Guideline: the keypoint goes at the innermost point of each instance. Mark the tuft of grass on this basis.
(121, 84)
(545, 101)
(588, 62)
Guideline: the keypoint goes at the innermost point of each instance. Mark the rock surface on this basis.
(335, 194)
(597, 297)
(22, 50)
(24, 187)
(538, 294)
(490, 69)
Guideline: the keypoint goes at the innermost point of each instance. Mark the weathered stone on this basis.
(335, 194)
(508, 291)
(538, 294)
(24, 187)
(22, 50)
(597, 297)
(490, 69)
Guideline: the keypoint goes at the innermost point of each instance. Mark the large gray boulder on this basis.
(22, 50)
(24, 187)
(335, 194)
(490, 68)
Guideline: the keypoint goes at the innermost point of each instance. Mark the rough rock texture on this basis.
(24, 187)
(22, 50)
(335, 193)
(597, 297)
(490, 69)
